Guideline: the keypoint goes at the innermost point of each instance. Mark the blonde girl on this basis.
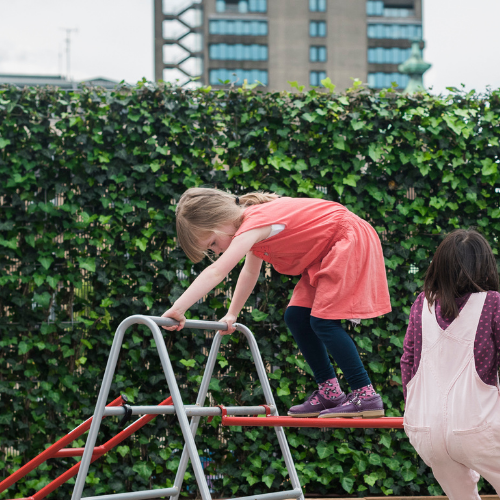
(338, 256)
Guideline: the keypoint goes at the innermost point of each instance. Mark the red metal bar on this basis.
(365, 423)
(75, 452)
(114, 441)
(52, 450)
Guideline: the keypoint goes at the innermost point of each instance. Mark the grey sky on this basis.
(115, 39)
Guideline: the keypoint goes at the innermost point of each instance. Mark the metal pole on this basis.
(101, 403)
(68, 45)
(200, 401)
(181, 413)
(266, 388)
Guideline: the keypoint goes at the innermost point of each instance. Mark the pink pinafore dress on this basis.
(452, 417)
(337, 254)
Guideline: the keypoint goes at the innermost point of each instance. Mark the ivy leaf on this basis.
(386, 441)
(141, 168)
(163, 150)
(347, 483)
(23, 347)
(259, 315)
(149, 301)
(142, 243)
(247, 166)
(324, 450)
(489, 167)
(375, 151)
(214, 385)
(409, 474)
(146, 288)
(268, 480)
(327, 83)
(46, 262)
(53, 281)
(252, 480)
(156, 255)
(39, 279)
(371, 479)
(351, 179)
(87, 263)
(43, 299)
(308, 117)
(256, 461)
(106, 302)
(339, 142)
(4, 142)
(144, 469)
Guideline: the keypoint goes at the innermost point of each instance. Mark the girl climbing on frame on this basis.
(450, 367)
(339, 258)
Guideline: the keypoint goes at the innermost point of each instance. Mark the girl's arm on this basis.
(408, 358)
(244, 286)
(214, 274)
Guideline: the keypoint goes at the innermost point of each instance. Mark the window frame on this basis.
(319, 74)
(317, 29)
(318, 49)
(314, 5)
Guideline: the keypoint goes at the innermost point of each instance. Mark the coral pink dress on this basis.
(338, 255)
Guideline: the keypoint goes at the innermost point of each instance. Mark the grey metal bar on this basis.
(191, 323)
(174, 392)
(188, 430)
(191, 411)
(279, 495)
(136, 495)
(266, 388)
(141, 410)
(181, 413)
(101, 403)
(200, 401)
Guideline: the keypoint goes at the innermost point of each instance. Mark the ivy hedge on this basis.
(88, 185)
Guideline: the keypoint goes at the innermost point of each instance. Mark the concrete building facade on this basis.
(217, 42)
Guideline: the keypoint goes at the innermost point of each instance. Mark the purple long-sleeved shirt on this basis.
(486, 344)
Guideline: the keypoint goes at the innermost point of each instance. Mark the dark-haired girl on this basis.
(450, 367)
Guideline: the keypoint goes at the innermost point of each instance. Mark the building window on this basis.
(374, 8)
(238, 52)
(237, 27)
(395, 31)
(315, 78)
(399, 12)
(237, 76)
(317, 53)
(317, 5)
(241, 6)
(393, 55)
(377, 8)
(317, 28)
(384, 80)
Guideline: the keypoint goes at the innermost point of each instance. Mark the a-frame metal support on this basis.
(190, 451)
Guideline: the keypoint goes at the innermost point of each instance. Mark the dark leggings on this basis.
(315, 335)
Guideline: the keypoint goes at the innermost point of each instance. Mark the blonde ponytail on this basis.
(257, 198)
(202, 211)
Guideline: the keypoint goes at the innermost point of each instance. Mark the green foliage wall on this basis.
(88, 183)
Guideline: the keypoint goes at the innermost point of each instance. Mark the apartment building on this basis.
(218, 42)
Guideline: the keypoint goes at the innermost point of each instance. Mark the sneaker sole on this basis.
(303, 414)
(363, 414)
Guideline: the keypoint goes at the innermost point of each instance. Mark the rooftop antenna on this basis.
(68, 43)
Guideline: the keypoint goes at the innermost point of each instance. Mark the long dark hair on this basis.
(463, 263)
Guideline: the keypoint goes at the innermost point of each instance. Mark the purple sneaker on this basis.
(371, 407)
(315, 404)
